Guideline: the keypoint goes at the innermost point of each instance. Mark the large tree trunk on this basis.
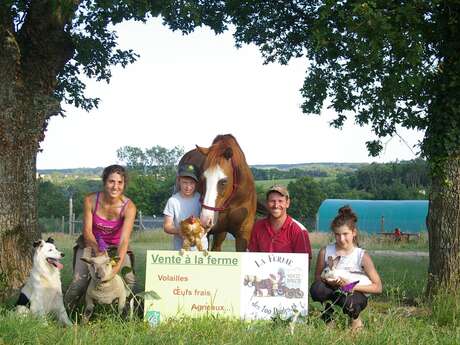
(30, 60)
(17, 174)
(442, 147)
(18, 217)
(444, 228)
(21, 129)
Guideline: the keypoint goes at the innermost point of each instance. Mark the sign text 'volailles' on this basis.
(158, 259)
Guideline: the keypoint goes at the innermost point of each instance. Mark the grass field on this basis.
(158, 240)
(265, 184)
(400, 315)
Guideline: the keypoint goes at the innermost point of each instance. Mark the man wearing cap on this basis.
(183, 204)
(279, 233)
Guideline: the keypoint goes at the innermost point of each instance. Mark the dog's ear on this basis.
(50, 240)
(87, 260)
(37, 243)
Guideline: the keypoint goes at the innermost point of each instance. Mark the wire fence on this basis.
(142, 223)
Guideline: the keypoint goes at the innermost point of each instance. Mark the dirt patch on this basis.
(397, 253)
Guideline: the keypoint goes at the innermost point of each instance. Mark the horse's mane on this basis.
(220, 146)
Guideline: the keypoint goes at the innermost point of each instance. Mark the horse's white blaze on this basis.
(213, 176)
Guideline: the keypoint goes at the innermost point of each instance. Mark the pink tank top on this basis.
(108, 230)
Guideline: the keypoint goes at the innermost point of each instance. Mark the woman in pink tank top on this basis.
(108, 219)
(106, 230)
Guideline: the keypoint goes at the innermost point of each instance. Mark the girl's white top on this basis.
(349, 266)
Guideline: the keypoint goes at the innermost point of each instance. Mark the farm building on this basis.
(377, 215)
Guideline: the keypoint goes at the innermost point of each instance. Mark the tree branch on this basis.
(45, 44)
(6, 16)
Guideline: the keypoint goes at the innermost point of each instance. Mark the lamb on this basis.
(104, 287)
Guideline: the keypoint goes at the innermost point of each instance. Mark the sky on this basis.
(185, 90)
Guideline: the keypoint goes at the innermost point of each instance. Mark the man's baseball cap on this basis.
(188, 170)
(279, 189)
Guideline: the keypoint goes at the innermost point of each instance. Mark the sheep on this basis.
(104, 287)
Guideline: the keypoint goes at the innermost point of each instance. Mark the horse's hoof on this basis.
(205, 252)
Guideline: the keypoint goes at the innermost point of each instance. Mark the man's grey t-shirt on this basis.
(181, 208)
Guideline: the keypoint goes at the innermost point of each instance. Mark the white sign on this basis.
(245, 285)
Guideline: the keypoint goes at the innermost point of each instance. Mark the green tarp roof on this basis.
(408, 215)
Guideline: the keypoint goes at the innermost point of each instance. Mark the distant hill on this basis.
(302, 166)
(73, 171)
(309, 166)
(260, 171)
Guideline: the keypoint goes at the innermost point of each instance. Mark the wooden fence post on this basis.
(141, 224)
(70, 214)
(73, 223)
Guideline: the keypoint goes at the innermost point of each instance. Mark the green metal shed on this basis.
(377, 215)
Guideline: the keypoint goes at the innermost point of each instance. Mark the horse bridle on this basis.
(230, 197)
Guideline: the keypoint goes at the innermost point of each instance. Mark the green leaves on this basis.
(125, 270)
(306, 197)
(149, 193)
(187, 15)
(156, 160)
(374, 147)
(386, 63)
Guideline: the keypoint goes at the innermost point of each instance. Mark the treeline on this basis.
(277, 174)
(72, 171)
(407, 180)
(148, 192)
(151, 182)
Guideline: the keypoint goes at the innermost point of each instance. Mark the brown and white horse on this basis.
(229, 197)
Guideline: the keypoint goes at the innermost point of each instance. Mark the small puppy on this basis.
(192, 231)
(104, 287)
(42, 293)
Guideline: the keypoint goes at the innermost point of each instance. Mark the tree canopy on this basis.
(382, 61)
(154, 160)
(84, 32)
(378, 60)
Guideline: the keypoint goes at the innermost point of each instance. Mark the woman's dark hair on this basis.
(347, 217)
(115, 168)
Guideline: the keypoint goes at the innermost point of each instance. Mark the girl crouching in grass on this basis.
(352, 276)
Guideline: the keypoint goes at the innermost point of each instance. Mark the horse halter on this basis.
(230, 197)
